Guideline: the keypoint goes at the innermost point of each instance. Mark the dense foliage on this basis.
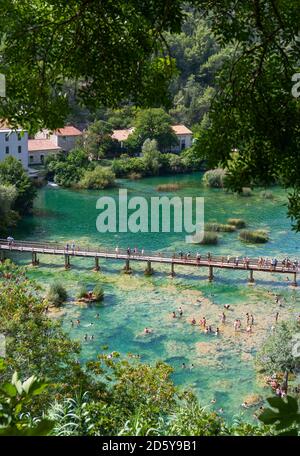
(12, 173)
(254, 123)
(8, 217)
(111, 51)
(97, 179)
(280, 352)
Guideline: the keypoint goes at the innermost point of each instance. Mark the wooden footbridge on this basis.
(209, 261)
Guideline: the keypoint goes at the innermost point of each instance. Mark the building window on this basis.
(7, 137)
(30, 158)
(19, 149)
(42, 158)
(7, 150)
(183, 144)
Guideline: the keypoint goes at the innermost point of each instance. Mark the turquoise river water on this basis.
(223, 366)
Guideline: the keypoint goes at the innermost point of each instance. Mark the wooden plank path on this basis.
(209, 261)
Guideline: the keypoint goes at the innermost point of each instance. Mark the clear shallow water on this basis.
(223, 366)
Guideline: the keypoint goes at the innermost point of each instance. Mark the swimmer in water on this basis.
(174, 315)
(97, 315)
(217, 332)
(193, 321)
(86, 337)
(180, 311)
(183, 366)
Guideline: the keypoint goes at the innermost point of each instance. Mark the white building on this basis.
(183, 134)
(40, 149)
(13, 143)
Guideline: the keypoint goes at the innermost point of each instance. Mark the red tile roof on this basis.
(181, 130)
(122, 135)
(68, 130)
(36, 145)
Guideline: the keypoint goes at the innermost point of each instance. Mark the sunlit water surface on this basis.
(223, 366)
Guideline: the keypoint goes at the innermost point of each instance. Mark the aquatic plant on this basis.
(209, 238)
(57, 294)
(168, 187)
(219, 227)
(237, 222)
(98, 293)
(82, 292)
(214, 178)
(266, 194)
(254, 237)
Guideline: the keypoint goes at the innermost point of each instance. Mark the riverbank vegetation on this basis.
(17, 193)
(215, 178)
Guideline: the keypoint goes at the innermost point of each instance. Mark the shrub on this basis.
(125, 166)
(98, 293)
(246, 191)
(219, 227)
(238, 223)
(266, 194)
(254, 237)
(57, 294)
(214, 178)
(168, 187)
(97, 179)
(209, 238)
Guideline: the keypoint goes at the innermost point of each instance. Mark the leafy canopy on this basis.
(113, 50)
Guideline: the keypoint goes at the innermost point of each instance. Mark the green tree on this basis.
(67, 170)
(98, 178)
(112, 50)
(254, 110)
(152, 124)
(35, 344)
(151, 156)
(13, 173)
(98, 140)
(278, 352)
(8, 217)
